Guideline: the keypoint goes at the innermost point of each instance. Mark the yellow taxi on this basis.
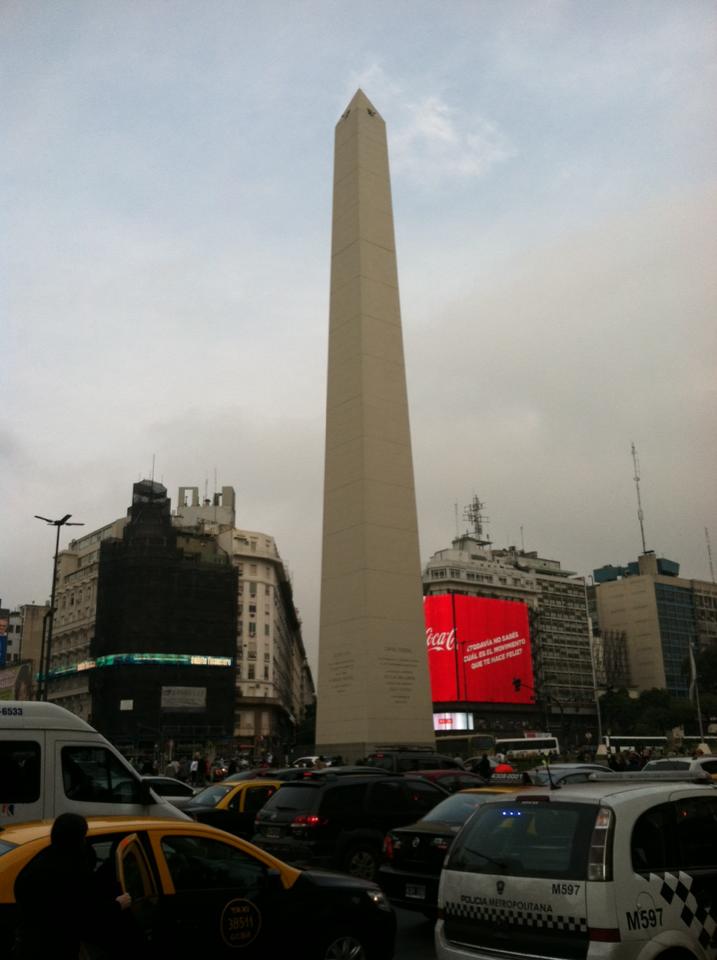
(199, 891)
(232, 806)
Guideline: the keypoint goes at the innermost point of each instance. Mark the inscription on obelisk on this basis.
(373, 682)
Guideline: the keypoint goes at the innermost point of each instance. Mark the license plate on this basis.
(272, 832)
(415, 891)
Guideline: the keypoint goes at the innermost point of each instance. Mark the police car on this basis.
(618, 868)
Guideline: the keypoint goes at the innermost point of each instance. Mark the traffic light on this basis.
(517, 684)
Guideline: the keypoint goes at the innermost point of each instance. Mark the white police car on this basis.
(623, 868)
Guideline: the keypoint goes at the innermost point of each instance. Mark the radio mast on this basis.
(709, 554)
(473, 513)
(640, 515)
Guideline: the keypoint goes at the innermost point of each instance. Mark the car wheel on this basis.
(343, 946)
(361, 861)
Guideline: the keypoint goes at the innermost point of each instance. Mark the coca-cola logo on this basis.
(440, 641)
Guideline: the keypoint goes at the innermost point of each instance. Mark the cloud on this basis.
(432, 141)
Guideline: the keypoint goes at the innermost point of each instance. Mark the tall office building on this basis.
(373, 676)
(661, 615)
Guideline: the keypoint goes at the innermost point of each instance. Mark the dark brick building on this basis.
(165, 634)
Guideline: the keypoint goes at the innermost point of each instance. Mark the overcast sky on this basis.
(166, 193)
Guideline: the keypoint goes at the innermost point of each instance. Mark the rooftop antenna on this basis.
(522, 541)
(473, 513)
(455, 510)
(640, 515)
(153, 458)
(709, 554)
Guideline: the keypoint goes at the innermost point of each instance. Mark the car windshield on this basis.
(211, 795)
(526, 839)
(457, 808)
(301, 795)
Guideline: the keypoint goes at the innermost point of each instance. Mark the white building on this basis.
(556, 599)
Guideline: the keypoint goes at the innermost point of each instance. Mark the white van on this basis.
(52, 762)
(623, 868)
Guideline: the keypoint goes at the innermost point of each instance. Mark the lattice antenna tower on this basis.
(709, 554)
(640, 515)
(473, 513)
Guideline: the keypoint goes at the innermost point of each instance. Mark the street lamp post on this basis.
(518, 683)
(46, 649)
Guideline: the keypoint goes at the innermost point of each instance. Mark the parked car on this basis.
(619, 867)
(683, 765)
(559, 773)
(451, 780)
(310, 761)
(176, 791)
(197, 891)
(408, 759)
(413, 855)
(340, 821)
(232, 806)
(257, 773)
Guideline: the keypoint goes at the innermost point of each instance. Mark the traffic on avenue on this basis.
(367, 862)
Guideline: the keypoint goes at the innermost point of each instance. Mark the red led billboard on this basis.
(476, 648)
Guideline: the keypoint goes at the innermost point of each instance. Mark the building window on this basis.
(252, 629)
(267, 630)
(250, 672)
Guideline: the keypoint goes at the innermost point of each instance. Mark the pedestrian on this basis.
(194, 771)
(319, 763)
(484, 768)
(59, 904)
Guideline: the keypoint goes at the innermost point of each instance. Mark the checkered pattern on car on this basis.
(675, 889)
(521, 918)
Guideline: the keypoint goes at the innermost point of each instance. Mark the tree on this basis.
(706, 663)
(619, 711)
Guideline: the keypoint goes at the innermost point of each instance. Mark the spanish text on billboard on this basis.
(477, 647)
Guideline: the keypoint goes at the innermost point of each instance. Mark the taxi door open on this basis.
(135, 878)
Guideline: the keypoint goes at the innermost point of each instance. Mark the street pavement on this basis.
(415, 937)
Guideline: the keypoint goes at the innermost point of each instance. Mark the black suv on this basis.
(341, 821)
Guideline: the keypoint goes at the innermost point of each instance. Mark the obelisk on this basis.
(373, 685)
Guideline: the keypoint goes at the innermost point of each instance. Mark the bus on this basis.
(634, 743)
(690, 744)
(476, 744)
(523, 748)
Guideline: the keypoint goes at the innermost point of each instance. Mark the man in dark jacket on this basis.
(59, 904)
